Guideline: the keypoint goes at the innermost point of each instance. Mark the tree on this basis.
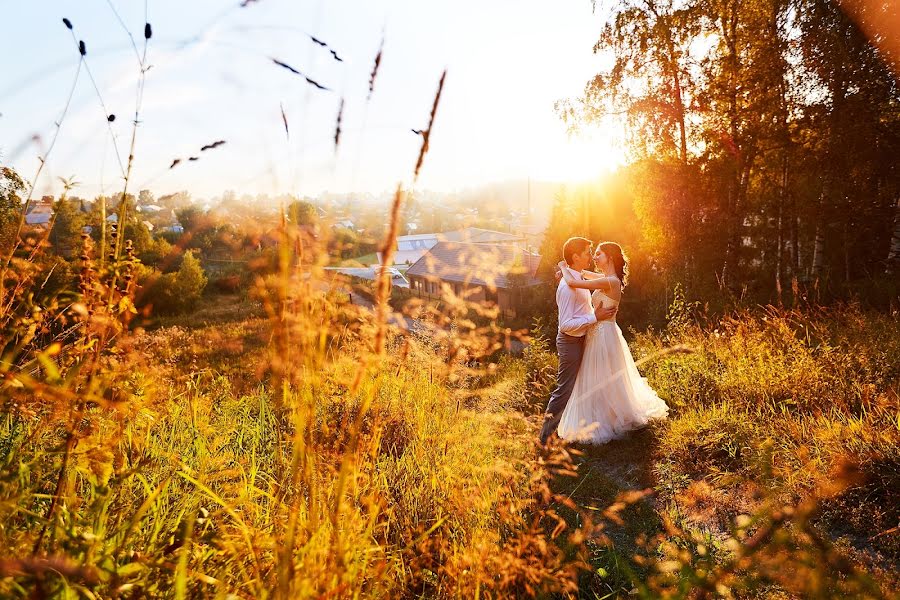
(190, 280)
(11, 185)
(68, 223)
(764, 134)
(300, 212)
(139, 234)
(858, 124)
(650, 78)
(173, 292)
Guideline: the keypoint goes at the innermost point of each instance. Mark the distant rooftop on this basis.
(477, 264)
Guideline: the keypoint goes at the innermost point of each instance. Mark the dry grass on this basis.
(264, 447)
(777, 473)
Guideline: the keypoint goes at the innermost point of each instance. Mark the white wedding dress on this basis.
(610, 397)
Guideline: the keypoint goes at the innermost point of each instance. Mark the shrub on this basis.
(228, 284)
(157, 252)
(540, 366)
(709, 442)
(171, 293)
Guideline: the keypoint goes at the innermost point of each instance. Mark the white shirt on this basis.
(576, 313)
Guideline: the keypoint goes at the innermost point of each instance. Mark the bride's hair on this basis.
(618, 258)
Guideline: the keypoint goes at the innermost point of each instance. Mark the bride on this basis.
(610, 397)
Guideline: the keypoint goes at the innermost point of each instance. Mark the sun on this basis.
(581, 157)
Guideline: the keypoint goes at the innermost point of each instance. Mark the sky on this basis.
(211, 77)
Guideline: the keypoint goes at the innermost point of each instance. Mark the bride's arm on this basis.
(602, 284)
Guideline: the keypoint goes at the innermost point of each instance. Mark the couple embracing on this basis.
(599, 393)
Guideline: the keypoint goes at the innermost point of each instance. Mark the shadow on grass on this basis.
(604, 473)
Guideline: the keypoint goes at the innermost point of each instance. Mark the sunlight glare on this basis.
(581, 157)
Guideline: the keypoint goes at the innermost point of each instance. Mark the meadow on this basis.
(779, 468)
(261, 447)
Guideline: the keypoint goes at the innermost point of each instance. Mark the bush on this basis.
(156, 252)
(540, 366)
(708, 443)
(172, 293)
(228, 284)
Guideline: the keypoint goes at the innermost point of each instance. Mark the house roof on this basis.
(40, 208)
(477, 264)
(417, 236)
(424, 241)
(38, 218)
(475, 235)
(402, 257)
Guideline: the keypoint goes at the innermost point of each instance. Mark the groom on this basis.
(576, 315)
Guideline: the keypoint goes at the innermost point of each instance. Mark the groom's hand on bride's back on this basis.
(603, 314)
(557, 275)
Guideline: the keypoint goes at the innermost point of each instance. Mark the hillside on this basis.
(419, 477)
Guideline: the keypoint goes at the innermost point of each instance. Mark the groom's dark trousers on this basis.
(570, 350)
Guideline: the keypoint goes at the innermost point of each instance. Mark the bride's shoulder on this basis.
(615, 285)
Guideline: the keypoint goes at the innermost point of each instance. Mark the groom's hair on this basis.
(573, 246)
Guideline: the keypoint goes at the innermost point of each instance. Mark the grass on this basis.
(198, 483)
(258, 448)
(286, 444)
(360, 261)
(783, 433)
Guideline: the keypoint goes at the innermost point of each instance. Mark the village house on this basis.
(410, 248)
(40, 213)
(496, 274)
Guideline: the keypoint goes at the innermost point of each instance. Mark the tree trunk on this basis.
(730, 250)
(779, 259)
(679, 104)
(796, 262)
(893, 259)
(846, 251)
(818, 260)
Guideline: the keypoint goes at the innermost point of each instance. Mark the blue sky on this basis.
(212, 78)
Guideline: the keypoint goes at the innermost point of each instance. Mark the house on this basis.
(476, 235)
(494, 274)
(344, 224)
(410, 248)
(40, 213)
(38, 218)
(372, 273)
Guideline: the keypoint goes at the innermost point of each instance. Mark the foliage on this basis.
(11, 186)
(68, 223)
(302, 213)
(776, 474)
(815, 389)
(540, 360)
(763, 136)
(175, 292)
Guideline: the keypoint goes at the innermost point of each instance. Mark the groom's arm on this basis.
(569, 318)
